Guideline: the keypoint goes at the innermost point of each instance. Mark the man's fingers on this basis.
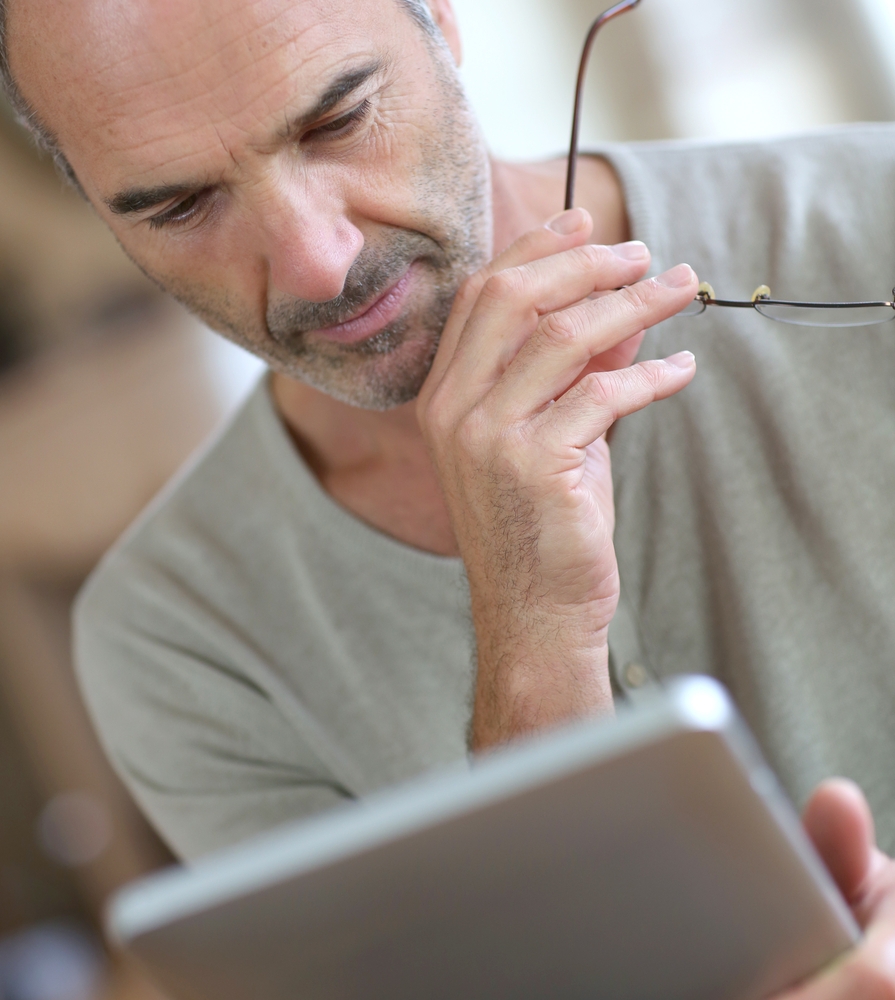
(567, 230)
(839, 822)
(564, 231)
(566, 341)
(867, 973)
(512, 303)
(586, 412)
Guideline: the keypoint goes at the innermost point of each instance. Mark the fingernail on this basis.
(635, 250)
(677, 277)
(685, 359)
(568, 222)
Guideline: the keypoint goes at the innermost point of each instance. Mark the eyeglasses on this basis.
(822, 314)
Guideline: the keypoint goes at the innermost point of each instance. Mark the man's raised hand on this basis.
(533, 369)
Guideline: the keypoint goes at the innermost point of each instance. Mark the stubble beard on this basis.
(388, 368)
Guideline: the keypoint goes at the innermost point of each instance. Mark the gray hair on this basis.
(418, 10)
(44, 138)
(24, 113)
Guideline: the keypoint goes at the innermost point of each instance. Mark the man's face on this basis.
(305, 175)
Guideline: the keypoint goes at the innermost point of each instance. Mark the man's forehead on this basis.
(104, 33)
(149, 69)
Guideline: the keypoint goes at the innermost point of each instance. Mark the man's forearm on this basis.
(532, 371)
(524, 687)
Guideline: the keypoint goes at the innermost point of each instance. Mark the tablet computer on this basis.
(649, 857)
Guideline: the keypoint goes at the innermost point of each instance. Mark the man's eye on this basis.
(182, 212)
(345, 125)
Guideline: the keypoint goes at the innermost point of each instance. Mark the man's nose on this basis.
(311, 244)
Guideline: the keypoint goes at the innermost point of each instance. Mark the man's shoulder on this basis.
(699, 172)
(722, 204)
(190, 537)
(833, 140)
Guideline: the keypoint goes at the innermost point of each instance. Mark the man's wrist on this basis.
(521, 689)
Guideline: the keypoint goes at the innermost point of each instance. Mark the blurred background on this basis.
(106, 387)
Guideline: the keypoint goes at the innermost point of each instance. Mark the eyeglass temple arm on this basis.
(604, 18)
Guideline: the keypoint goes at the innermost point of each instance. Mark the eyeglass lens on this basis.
(827, 317)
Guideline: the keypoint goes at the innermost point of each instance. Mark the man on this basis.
(290, 624)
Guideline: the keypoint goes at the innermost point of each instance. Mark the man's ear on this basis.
(443, 16)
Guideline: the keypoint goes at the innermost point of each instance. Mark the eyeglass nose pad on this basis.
(704, 294)
(762, 292)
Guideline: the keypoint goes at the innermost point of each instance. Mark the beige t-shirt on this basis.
(252, 653)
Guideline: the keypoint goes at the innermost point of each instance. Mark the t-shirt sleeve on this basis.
(207, 752)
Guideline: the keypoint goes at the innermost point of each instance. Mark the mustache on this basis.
(376, 269)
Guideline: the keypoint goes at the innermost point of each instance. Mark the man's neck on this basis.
(375, 464)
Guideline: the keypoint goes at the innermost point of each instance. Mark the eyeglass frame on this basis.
(706, 296)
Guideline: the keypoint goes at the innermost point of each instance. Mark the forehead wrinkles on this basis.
(228, 97)
(176, 84)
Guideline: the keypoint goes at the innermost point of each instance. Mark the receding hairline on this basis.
(44, 138)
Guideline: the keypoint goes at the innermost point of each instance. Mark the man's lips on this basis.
(386, 309)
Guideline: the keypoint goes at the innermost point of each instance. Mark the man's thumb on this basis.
(839, 822)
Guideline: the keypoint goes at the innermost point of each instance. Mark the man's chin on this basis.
(374, 374)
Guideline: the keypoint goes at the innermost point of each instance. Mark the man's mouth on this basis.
(374, 317)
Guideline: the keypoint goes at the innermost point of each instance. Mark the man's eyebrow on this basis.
(136, 200)
(140, 199)
(337, 91)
